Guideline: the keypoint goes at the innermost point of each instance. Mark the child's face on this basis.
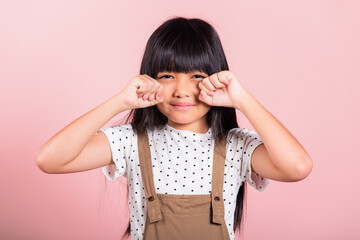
(183, 88)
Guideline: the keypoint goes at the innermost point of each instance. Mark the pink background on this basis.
(60, 59)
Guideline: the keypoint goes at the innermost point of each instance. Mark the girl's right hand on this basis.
(141, 91)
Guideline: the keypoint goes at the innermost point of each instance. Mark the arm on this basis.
(57, 154)
(77, 147)
(281, 157)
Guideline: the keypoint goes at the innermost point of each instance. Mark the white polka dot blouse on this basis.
(182, 164)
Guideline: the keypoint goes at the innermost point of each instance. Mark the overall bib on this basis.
(184, 217)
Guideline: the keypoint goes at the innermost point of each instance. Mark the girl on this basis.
(185, 157)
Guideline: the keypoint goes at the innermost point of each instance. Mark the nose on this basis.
(181, 93)
(183, 88)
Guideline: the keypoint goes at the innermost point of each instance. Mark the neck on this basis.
(196, 128)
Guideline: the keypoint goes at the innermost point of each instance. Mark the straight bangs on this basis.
(184, 48)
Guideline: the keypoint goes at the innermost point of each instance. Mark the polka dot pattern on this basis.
(182, 164)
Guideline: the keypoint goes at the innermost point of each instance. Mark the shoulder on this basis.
(122, 133)
(241, 132)
(125, 128)
(241, 137)
(237, 133)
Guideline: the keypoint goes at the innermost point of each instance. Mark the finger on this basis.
(147, 76)
(154, 84)
(202, 87)
(226, 75)
(208, 85)
(146, 84)
(158, 96)
(151, 80)
(158, 93)
(158, 86)
(151, 93)
(144, 90)
(143, 86)
(152, 96)
(155, 98)
(215, 81)
(205, 98)
(147, 96)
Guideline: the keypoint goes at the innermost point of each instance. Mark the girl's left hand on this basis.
(221, 89)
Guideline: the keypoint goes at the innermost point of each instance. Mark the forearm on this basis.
(68, 143)
(287, 154)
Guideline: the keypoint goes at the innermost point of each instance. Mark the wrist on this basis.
(243, 101)
(118, 103)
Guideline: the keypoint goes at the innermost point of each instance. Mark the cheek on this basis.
(166, 92)
(162, 107)
(203, 107)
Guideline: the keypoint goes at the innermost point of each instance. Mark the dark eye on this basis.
(199, 76)
(165, 76)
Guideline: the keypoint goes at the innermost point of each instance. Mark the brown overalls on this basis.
(184, 217)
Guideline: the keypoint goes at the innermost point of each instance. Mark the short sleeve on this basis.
(120, 139)
(247, 141)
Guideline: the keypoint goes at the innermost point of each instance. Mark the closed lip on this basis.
(182, 104)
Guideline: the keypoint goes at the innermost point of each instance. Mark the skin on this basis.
(183, 87)
(281, 157)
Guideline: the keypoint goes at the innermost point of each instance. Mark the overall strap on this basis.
(217, 202)
(152, 200)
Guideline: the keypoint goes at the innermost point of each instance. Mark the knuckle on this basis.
(206, 83)
(207, 90)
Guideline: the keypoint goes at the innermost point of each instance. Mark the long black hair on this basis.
(183, 45)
